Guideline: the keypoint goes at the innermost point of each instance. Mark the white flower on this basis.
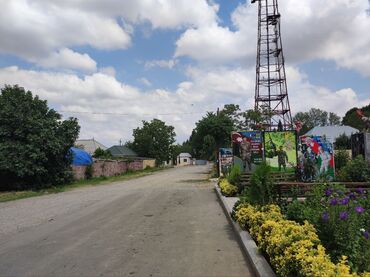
(362, 230)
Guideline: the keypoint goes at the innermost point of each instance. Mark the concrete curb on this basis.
(259, 264)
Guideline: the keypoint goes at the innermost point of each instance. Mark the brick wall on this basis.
(108, 168)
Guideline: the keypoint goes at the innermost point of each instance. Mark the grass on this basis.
(15, 195)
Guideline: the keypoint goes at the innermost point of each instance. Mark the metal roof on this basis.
(331, 132)
(184, 155)
(89, 145)
(121, 151)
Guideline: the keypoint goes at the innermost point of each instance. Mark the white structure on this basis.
(332, 132)
(184, 159)
(89, 145)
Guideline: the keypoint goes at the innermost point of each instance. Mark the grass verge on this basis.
(15, 195)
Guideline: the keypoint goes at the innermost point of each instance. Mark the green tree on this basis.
(34, 142)
(236, 116)
(342, 142)
(154, 140)
(102, 154)
(352, 119)
(315, 117)
(219, 127)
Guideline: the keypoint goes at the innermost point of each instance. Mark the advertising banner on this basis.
(281, 150)
(225, 157)
(316, 157)
(247, 149)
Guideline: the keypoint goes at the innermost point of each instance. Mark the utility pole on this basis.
(271, 92)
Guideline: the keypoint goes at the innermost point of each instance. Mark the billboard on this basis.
(281, 150)
(316, 157)
(225, 157)
(247, 149)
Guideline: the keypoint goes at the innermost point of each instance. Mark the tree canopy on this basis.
(154, 140)
(352, 119)
(34, 141)
(316, 117)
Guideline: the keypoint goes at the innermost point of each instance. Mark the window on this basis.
(185, 160)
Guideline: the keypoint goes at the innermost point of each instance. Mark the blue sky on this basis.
(175, 60)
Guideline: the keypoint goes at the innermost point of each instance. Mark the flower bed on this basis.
(227, 189)
(293, 249)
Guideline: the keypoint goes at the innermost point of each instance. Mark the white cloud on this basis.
(205, 90)
(145, 81)
(109, 70)
(311, 29)
(66, 58)
(161, 63)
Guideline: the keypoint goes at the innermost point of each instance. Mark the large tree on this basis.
(34, 141)
(352, 119)
(211, 132)
(316, 117)
(154, 140)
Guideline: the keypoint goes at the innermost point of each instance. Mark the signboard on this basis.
(316, 157)
(225, 157)
(281, 150)
(247, 149)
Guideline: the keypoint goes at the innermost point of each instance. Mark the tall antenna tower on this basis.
(271, 95)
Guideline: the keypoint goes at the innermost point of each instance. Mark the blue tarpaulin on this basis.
(81, 157)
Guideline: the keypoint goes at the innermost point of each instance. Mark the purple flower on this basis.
(359, 209)
(343, 215)
(366, 235)
(360, 191)
(333, 201)
(344, 201)
(352, 195)
(328, 192)
(325, 216)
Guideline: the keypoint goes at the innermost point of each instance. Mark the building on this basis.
(120, 151)
(332, 132)
(184, 159)
(89, 145)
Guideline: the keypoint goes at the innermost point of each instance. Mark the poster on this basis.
(281, 150)
(225, 157)
(247, 149)
(316, 157)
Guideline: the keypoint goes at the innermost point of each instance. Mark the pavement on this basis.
(166, 224)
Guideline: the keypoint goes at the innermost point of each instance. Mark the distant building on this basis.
(332, 132)
(184, 159)
(89, 145)
(121, 151)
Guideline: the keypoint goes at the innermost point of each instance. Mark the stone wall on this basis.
(108, 168)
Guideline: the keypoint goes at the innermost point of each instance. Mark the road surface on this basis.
(166, 224)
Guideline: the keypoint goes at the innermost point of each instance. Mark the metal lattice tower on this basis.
(271, 96)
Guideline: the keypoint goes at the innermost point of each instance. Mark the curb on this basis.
(258, 262)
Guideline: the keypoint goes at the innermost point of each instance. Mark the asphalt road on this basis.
(166, 224)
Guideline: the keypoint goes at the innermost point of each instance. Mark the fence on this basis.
(111, 167)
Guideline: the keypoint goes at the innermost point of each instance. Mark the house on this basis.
(184, 159)
(89, 145)
(120, 151)
(332, 132)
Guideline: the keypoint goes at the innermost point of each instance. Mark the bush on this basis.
(341, 159)
(262, 190)
(342, 220)
(34, 142)
(292, 249)
(234, 177)
(102, 154)
(227, 189)
(89, 172)
(357, 170)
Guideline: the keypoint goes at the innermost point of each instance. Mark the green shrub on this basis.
(102, 154)
(262, 190)
(234, 177)
(357, 170)
(89, 172)
(341, 159)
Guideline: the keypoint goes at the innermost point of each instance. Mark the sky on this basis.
(114, 63)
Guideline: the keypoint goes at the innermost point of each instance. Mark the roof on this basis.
(331, 132)
(89, 145)
(121, 151)
(184, 155)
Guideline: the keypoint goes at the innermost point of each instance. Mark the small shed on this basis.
(184, 159)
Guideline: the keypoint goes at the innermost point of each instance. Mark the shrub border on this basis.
(249, 248)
